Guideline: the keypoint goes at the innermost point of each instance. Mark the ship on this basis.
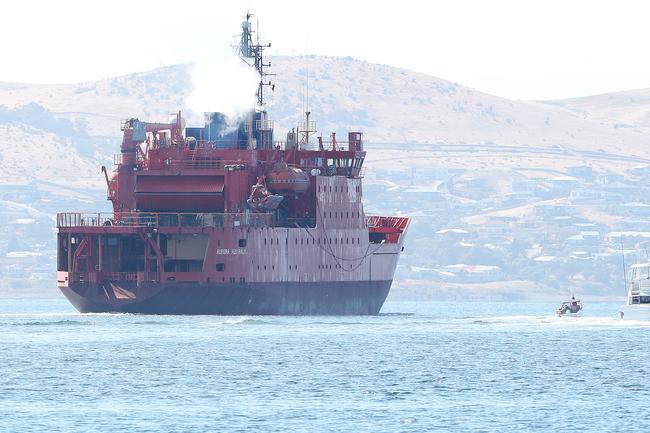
(224, 220)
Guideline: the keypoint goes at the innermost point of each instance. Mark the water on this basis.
(415, 368)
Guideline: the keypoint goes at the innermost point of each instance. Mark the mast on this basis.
(253, 54)
(306, 128)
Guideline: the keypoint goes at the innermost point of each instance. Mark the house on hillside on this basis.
(581, 171)
(562, 185)
(476, 273)
(420, 175)
(453, 235)
(423, 194)
(586, 195)
(605, 179)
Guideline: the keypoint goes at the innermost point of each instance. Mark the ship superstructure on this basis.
(219, 219)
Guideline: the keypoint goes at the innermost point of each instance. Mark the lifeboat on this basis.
(287, 180)
(261, 200)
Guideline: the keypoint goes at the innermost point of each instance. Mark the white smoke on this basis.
(221, 80)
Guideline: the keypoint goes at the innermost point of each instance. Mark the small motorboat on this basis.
(570, 308)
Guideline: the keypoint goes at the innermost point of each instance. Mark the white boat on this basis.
(572, 308)
(637, 304)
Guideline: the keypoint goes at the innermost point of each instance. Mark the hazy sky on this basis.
(525, 49)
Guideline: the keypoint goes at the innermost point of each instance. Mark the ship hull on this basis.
(285, 298)
(634, 312)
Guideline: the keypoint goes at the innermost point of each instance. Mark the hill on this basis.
(509, 199)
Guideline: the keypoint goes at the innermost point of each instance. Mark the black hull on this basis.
(314, 298)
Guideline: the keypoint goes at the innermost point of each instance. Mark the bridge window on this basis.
(242, 243)
(220, 267)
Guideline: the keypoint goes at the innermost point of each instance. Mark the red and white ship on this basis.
(218, 220)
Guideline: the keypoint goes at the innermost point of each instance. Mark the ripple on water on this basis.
(439, 367)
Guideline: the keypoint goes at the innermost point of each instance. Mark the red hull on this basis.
(320, 298)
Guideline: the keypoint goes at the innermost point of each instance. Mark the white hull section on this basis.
(578, 314)
(635, 312)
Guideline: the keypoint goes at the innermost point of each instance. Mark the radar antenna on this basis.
(252, 53)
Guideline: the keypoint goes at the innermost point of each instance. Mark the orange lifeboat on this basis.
(287, 180)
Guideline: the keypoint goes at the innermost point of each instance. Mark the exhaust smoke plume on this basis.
(222, 82)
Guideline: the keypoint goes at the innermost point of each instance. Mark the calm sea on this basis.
(418, 367)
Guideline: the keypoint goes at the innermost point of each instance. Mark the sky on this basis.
(516, 49)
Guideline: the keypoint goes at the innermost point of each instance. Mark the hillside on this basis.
(414, 112)
(628, 110)
(509, 199)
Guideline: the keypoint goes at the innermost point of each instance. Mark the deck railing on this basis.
(164, 219)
